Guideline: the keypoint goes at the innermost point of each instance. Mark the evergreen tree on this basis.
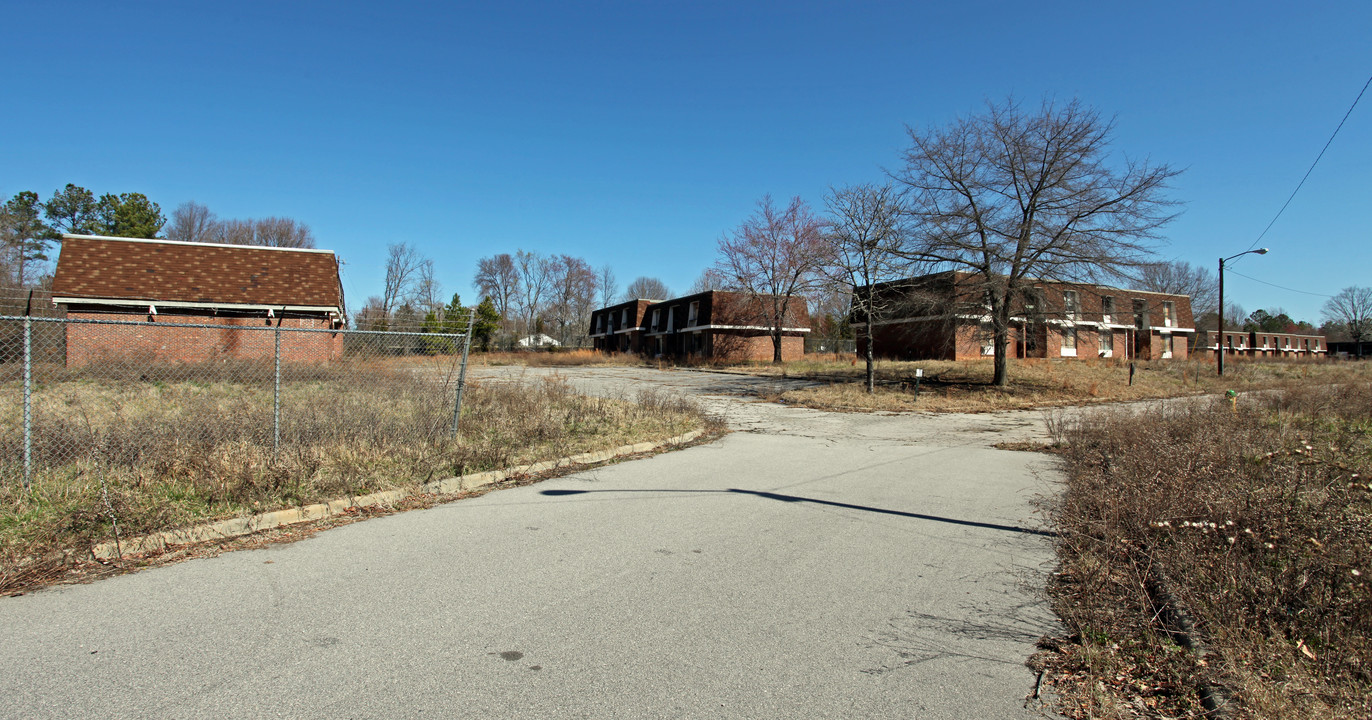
(72, 210)
(455, 316)
(24, 238)
(130, 215)
(487, 323)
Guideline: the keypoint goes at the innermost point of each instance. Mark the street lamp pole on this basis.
(1219, 335)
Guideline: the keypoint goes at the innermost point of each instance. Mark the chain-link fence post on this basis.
(28, 402)
(462, 372)
(276, 393)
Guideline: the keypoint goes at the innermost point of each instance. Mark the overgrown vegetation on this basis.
(118, 450)
(965, 386)
(1256, 521)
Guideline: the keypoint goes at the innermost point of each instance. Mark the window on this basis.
(1166, 346)
(1317, 344)
(1069, 342)
(1107, 343)
(1264, 342)
(624, 318)
(1032, 300)
(656, 318)
(987, 338)
(1107, 309)
(1169, 313)
(1286, 344)
(693, 314)
(600, 323)
(1070, 304)
(671, 319)
(1141, 315)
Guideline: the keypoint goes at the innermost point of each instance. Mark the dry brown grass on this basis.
(559, 358)
(1262, 519)
(965, 386)
(163, 454)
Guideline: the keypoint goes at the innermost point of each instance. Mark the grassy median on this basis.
(153, 449)
(1256, 520)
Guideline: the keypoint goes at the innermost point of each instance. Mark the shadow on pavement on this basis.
(797, 498)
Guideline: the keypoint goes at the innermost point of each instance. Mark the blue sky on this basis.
(637, 133)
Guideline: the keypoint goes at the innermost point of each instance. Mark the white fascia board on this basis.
(698, 328)
(627, 330)
(195, 244)
(194, 305)
(741, 327)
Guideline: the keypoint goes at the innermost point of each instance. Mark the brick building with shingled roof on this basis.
(186, 284)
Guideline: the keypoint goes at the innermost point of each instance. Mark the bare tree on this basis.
(866, 246)
(606, 285)
(1013, 196)
(372, 316)
(282, 232)
(535, 276)
(647, 288)
(775, 256)
(192, 222)
(1180, 278)
(573, 287)
(233, 232)
(428, 291)
(709, 279)
(1352, 309)
(404, 266)
(497, 278)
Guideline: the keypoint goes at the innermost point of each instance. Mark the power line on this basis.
(1312, 166)
(1280, 287)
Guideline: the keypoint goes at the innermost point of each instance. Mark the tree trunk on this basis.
(871, 366)
(776, 345)
(1001, 378)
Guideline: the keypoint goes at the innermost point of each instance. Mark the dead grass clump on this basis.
(559, 358)
(1037, 382)
(114, 455)
(1262, 520)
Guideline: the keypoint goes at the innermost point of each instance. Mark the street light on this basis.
(1219, 336)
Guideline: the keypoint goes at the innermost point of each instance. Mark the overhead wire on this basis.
(1280, 287)
(1312, 166)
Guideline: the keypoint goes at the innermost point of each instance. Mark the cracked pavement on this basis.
(807, 565)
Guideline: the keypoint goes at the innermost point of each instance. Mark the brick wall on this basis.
(170, 341)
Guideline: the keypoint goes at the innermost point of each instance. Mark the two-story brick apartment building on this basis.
(1264, 345)
(729, 326)
(177, 284)
(619, 328)
(944, 316)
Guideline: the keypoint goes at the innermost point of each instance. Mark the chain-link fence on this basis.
(174, 396)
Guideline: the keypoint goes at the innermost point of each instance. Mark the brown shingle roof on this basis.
(160, 270)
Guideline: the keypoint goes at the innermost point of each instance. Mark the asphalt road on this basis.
(810, 565)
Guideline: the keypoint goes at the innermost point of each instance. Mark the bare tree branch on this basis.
(775, 256)
(1015, 196)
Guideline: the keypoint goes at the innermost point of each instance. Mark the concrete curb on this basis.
(237, 527)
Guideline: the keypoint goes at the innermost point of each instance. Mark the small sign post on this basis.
(919, 373)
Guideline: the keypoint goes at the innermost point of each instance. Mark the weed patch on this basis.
(1258, 522)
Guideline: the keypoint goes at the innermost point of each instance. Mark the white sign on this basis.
(919, 372)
